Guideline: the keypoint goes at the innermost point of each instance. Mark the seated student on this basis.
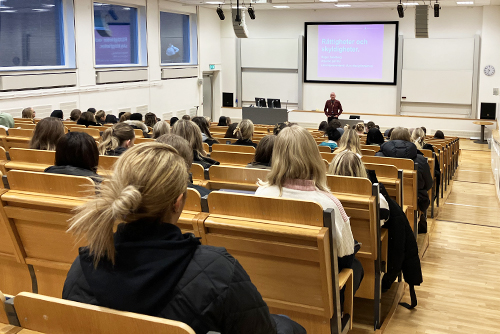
(6, 121)
(280, 126)
(173, 120)
(333, 136)
(76, 154)
(322, 126)
(28, 113)
(160, 129)
(336, 124)
(370, 125)
(184, 149)
(418, 138)
(223, 121)
(75, 115)
(150, 119)
(349, 142)
(244, 133)
(400, 146)
(388, 132)
(439, 134)
(402, 245)
(92, 110)
(360, 128)
(117, 139)
(137, 116)
(204, 126)
(47, 134)
(57, 114)
(88, 119)
(263, 153)
(100, 117)
(148, 266)
(111, 119)
(125, 116)
(374, 137)
(192, 133)
(186, 117)
(138, 124)
(230, 132)
(298, 172)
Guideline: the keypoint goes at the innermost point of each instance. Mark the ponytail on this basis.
(115, 137)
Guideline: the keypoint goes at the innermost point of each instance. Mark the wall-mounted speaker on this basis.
(488, 110)
(227, 100)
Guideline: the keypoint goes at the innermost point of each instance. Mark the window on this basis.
(178, 38)
(32, 34)
(116, 35)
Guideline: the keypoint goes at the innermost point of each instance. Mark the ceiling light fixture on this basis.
(436, 9)
(410, 3)
(214, 2)
(220, 12)
(465, 2)
(401, 10)
(342, 5)
(328, 0)
(281, 6)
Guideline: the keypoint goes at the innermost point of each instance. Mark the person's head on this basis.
(120, 114)
(424, 129)
(125, 117)
(28, 113)
(7, 120)
(230, 131)
(370, 125)
(203, 125)
(161, 128)
(57, 113)
(264, 150)
(418, 138)
(374, 136)
(92, 110)
(335, 123)
(87, 117)
(191, 132)
(349, 142)
(77, 149)
(135, 192)
(228, 120)
(280, 126)
(209, 120)
(332, 96)
(111, 119)
(400, 133)
(173, 120)
(244, 130)
(47, 134)
(180, 144)
(322, 126)
(439, 134)
(296, 156)
(100, 116)
(333, 133)
(360, 128)
(136, 117)
(119, 135)
(222, 121)
(75, 115)
(389, 133)
(186, 117)
(347, 163)
(150, 119)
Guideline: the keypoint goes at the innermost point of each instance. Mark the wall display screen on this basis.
(351, 52)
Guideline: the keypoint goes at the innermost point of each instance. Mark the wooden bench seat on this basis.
(237, 178)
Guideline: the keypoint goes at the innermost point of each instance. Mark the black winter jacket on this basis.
(160, 272)
(75, 171)
(246, 142)
(206, 162)
(408, 150)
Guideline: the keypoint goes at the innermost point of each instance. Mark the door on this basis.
(208, 95)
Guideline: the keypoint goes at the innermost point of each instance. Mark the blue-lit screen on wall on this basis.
(115, 33)
(31, 33)
(175, 38)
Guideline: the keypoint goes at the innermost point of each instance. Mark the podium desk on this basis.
(267, 116)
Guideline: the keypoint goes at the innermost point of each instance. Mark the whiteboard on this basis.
(270, 53)
(453, 87)
(283, 86)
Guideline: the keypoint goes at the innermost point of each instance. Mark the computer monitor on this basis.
(260, 102)
(274, 103)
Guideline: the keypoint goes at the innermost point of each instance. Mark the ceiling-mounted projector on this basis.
(240, 27)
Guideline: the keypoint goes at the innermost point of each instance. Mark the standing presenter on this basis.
(333, 108)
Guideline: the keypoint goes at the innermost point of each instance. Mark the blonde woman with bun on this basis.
(148, 266)
(360, 128)
(244, 133)
(298, 172)
(349, 142)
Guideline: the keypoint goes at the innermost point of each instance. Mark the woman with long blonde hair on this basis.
(244, 133)
(148, 266)
(349, 142)
(47, 134)
(117, 139)
(191, 132)
(418, 138)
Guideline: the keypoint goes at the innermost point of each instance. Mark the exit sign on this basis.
(212, 66)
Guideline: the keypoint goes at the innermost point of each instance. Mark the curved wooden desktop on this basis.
(483, 126)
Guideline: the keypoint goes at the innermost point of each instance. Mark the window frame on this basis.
(142, 47)
(193, 43)
(69, 44)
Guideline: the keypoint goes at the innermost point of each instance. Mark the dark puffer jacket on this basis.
(408, 150)
(76, 171)
(160, 272)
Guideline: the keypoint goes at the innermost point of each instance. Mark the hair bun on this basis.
(128, 201)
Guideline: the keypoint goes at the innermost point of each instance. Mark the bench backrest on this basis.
(57, 316)
(233, 158)
(232, 148)
(94, 133)
(238, 178)
(21, 133)
(392, 179)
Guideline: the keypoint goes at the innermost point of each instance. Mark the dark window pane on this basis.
(175, 38)
(31, 33)
(115, 34)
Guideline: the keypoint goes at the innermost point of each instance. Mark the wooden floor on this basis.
(461, 268)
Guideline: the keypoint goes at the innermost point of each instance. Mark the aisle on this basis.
(461, 289)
